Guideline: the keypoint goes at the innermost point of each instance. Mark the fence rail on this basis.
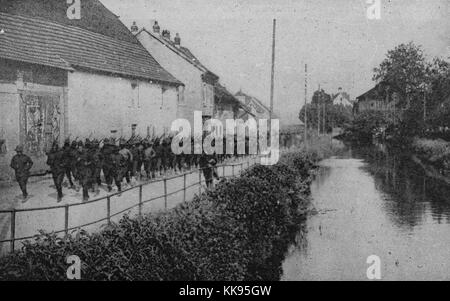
(141, 202)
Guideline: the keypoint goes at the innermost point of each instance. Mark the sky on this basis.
(337, 40)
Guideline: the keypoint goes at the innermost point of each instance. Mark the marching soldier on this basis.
(127, 161)
(207, 165)
(97, 161)
(160, 156)
(150, 160)
(137, 151)
(68, 163)
(109, 148)
(85, 163)
(119, 168)
(57, 162)
(22, 164)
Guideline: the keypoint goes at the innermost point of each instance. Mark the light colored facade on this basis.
(342, 98)
(198, 94)
(99, 104)
(72, 82)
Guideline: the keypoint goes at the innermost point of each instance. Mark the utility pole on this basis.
(324, 113)
(273, 74)
(306, 102)
(319, 96)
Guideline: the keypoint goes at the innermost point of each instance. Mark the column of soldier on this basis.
(82, 163)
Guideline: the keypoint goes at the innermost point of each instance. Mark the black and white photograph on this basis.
(196, 141)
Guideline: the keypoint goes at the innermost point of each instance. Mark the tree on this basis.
(423, 87)
(335, 115)
(403, 69)
(367, 124)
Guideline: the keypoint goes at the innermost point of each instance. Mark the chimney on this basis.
(134, 28)
(177, 40)
(156, 28)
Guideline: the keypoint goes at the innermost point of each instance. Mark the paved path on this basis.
(43, 194)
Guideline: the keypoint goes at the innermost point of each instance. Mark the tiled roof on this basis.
(39, 41)
(254, 100)
(95, 16)
(223, 94)
(181, 51)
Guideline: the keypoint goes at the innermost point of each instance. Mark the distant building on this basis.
(379, 98)
(341, 98)
(85, 78)
(202, 90)
(254, 106)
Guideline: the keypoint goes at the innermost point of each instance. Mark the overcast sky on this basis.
(335, 37)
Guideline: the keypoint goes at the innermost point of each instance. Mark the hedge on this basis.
(239, 231)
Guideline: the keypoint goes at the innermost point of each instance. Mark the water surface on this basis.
(374, 201)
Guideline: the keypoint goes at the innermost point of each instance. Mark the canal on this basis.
(373, 201)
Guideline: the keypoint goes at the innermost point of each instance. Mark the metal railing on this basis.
(141, 202)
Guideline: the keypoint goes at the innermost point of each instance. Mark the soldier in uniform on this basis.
(150, 160)
(128, 160)
(137, 151)
(57, 161)
(107, 151)
(160, 156)
(73, 162)
(207, 165)
(97, 162)
(85, 163)
(68, 162)
(119, 168)
(22, 164)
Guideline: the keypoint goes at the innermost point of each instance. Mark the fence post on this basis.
(165, 193)
(13, 229)
(242, 166)
(184, 187)
(108, 209)
(66, 219)
(140, 200)
(232, 170)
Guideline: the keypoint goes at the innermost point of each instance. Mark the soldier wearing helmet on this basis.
(22, 164)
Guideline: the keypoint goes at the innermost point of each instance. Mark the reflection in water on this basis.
(374, 201)
(411, 195)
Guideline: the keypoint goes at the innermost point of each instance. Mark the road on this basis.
(43, 194)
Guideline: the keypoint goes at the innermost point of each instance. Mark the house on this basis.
(379, 98)
(254, 106)
(64, 78)
(202, 90)
(341, 98)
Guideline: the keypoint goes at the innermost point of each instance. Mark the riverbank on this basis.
(373, 200)
(238, 231)
(435, 153)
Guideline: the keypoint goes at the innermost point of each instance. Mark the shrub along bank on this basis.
(239, 231)
(434, 152)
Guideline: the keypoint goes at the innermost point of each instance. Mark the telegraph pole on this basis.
(318, 111)
(273, 74)
(306, 102)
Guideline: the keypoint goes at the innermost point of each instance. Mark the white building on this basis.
(61, 78)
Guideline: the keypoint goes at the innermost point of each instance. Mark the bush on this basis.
(238, 231)
(436, 152)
